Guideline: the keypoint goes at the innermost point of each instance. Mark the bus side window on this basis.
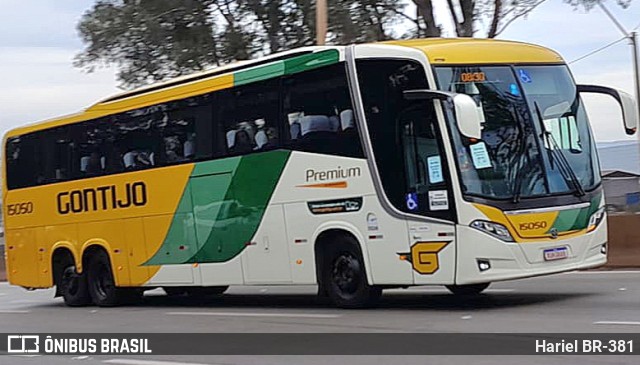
(21, 161)
(319, 113)
(248, 117)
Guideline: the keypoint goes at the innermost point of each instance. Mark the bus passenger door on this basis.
(428, 193)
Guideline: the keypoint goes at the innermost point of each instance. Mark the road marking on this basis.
(2, 294)
(147, 362)
(12, 311)
(254, 314)
(617, 323)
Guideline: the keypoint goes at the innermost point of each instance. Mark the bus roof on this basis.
(438, 50)
(480, 51)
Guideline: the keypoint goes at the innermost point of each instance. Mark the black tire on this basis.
(468, 290)
(102, 286)
(73, 287)
(345, 278)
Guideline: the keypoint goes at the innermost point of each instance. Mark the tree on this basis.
(150, 40)
(496, 15)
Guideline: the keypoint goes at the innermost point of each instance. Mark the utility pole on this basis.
(633, 39)
(321, 22)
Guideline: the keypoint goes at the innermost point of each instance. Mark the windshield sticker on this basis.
(438, 200)
(412, 201)
(435, 169)
(524, 76)
(480, 156)
(514, 90)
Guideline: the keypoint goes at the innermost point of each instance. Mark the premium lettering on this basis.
(327, 175)
(102, 198)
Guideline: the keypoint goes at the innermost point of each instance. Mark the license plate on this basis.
(557, 253)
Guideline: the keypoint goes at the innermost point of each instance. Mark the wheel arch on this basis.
(92, 246)
(323, 237)
(61, 253)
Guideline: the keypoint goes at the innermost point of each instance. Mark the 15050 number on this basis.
(20, 208)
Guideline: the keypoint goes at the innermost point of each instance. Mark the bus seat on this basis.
(189, 147)
(314, 123)
(261, 139)
(231, 138)
(346, 119)
(334, 122)
(84, 163)
(129, 159)
(294, 130)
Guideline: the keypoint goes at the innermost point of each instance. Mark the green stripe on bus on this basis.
(287, 67)
(259, 74)
(227, 200)
(576, 219)
(311, 61)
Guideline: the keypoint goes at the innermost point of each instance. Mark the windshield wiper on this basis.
(563, 166)
(517, 183)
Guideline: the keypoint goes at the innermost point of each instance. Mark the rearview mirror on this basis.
(466, 111)
(626, 101)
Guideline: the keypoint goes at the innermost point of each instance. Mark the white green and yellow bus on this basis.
(357, 168)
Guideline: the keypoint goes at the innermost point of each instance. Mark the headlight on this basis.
(495, 229)
(596, 218)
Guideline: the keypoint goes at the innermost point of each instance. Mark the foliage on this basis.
(151, 40)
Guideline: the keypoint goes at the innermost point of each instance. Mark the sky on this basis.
(38, 41)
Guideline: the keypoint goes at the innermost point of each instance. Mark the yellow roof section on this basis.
(479, 51)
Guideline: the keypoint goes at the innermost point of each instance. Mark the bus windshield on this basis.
(536, 139)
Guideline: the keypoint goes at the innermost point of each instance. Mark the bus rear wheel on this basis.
(467, 290)
(73, 287)
(102, 286)
(345, 278)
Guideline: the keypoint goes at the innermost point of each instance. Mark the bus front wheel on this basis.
(468, 290)
(345, 278)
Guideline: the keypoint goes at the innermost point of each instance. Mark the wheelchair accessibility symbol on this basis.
(412, 201)
(524, 76)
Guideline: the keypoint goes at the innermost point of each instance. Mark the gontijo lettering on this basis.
(102, 198)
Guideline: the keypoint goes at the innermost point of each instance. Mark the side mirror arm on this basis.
(626, 102)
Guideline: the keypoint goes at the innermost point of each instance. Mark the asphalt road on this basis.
(607, 301)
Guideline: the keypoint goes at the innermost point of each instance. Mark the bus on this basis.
(454, 162)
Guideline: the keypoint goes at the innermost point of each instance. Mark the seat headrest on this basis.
(129, 159)
(261, 139)
(315, 123)
(231, 138)
(346, 119)
(84, 163)
(294, 130)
